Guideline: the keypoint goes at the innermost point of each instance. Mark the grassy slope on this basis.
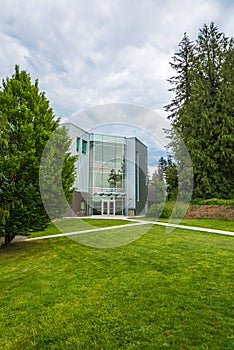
(163, 291)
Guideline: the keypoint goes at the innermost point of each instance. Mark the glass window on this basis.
(108, 152)
(84, 146)
(77, 144)
(82, 206)
(96, 137)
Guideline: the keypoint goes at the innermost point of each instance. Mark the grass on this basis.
(163, 291)
(218, 224)
(75, 224)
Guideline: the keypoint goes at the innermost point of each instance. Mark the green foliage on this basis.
(160, 189)
(29, 123)
(57, 174)
(167, 210)
(154, 211)
(168, 171)
(163, 210)
(115, 178)
(202, 110)
(213, 201)
(181, 82)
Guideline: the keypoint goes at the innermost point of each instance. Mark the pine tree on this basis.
(205, 119)
(158, 182)
(167, 171)
(183, 65)
(30, 122)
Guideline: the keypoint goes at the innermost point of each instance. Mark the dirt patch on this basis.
(210, 211)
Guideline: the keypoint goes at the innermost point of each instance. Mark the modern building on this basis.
(111, 174)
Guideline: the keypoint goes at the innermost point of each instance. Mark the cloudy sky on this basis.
(86, 53)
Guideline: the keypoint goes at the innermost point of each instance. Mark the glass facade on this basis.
(111, 174)
(107, 174)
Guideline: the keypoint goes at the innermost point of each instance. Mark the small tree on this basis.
(29, 122)
(115, 178)
(159, 187)
(167, 170)
(171, 177)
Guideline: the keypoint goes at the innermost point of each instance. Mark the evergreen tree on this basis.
(29, 123)
(162, 165)
(168, 172)
(205, 119)
(182, 64)
(171, 177)
(159, 187)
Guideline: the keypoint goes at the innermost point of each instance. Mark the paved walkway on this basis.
(136, 222)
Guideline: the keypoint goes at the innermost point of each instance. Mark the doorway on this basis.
(108, 207)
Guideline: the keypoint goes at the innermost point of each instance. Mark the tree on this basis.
(204, 118)
(162, 165)
(182, 64)
(115, 179)
(159, 187)
(168, 171)
(29, 124)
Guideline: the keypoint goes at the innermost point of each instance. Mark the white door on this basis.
(108, 207)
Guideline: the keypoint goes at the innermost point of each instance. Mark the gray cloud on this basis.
(87, 53)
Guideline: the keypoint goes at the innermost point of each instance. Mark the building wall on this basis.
(104, 156)
(82, 165)
(130, 184)
(79, 204)
(107, 175)
(136, 176)
(141, 177)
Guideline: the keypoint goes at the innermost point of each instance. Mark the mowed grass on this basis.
(218, 224)
(76, 224)
(162, 291)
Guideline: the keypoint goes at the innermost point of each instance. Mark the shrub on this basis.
(154, 211)
(213, 201)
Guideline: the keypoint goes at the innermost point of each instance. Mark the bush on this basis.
(166, 210)
(154, 211)
(162, 210)
(213, 201)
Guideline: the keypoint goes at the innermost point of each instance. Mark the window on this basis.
(84, 146)
(77, 144)
(82, 206)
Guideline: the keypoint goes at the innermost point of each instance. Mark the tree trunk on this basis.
(8, 238)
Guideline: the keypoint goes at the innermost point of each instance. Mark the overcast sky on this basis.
(86, 53)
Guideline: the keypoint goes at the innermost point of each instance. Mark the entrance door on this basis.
(108, 207)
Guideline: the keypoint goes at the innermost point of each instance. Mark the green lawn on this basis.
(76, 224)
(218, 224)
(163, 291)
